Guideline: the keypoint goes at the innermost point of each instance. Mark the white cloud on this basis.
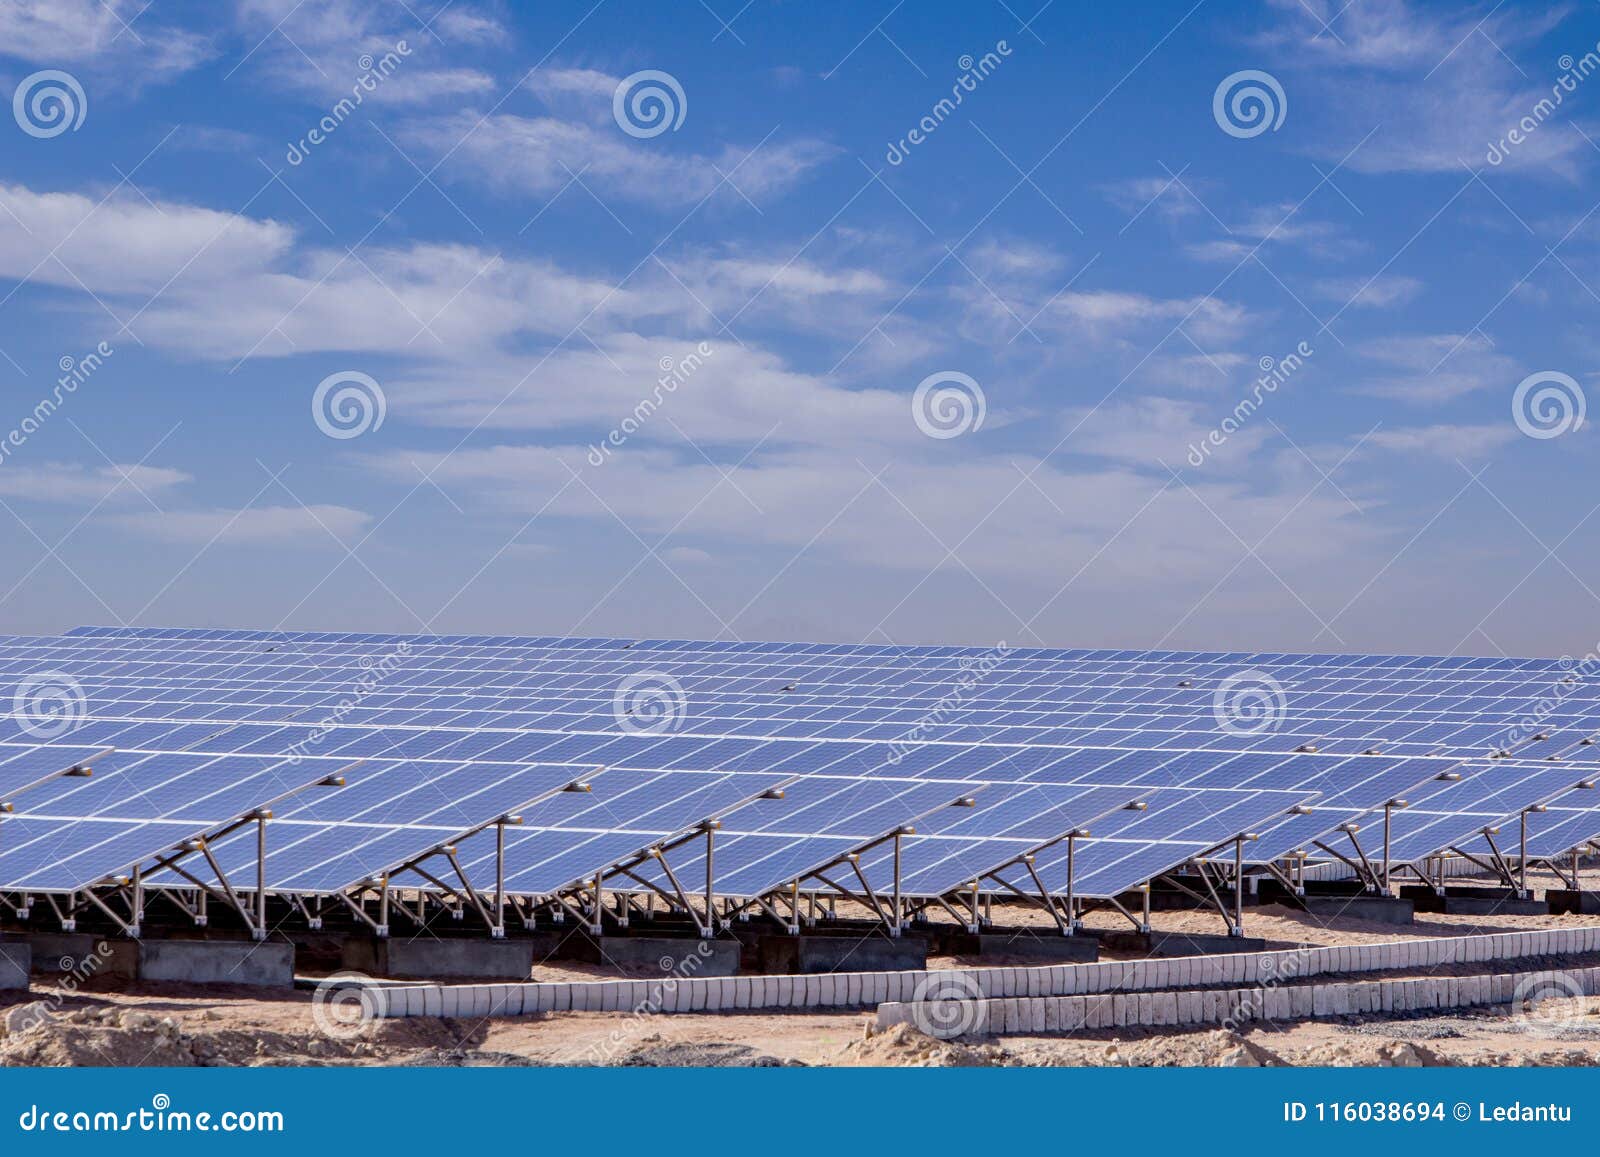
(737, 395)
(318, 47)
(126, 245)
(1039, 533)
(1150, 431)
(1166, 196)
(1095, 319)
(1437, 83)
(1378, 292)
(70, 483)
(1434, 368)
(1444, 441)
(1267, 225)
(1209, 371)
(690, 555)
(314, 525)
(1010, 260)
(109, 36)
(215, 285)
(540, 155)
(584, 92)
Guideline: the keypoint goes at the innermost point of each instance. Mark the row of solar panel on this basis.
(130, 701)
(781, 691)
(1324, 659)
(1008, 683)
(1562, 733)
(994, 684)
(329, 841)
(988, 663)
(1334, 781)
(75, 832)
(1157, 843)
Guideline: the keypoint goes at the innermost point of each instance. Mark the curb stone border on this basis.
(1239, 972)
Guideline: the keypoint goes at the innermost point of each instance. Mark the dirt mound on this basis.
(35, 1035)
(1194, 1050)
(705, 1055)
(1374, 1054)
(906, 1047)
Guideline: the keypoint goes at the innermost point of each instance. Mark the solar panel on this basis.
(456, 731)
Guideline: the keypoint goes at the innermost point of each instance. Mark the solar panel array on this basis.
(796, 755)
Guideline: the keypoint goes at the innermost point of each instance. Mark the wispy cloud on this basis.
(63, 482)
(313, 526)
(1432, 368)
(1438, 84)
(112, 37)
(515, 154)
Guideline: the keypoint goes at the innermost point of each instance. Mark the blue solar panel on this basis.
(459, 707)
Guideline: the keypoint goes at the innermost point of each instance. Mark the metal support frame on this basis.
(1501, 866)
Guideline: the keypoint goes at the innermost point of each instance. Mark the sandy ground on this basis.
(150, 1024)
(154, 1027)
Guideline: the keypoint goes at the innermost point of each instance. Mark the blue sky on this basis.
(1095, 242)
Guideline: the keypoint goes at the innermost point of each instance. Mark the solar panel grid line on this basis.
(946, 874)
(663, 842)
(1113, 863)
(318, 850)
(848, 845)
(104, 865)
(1517, 792)
(20, 774)
(457, 835)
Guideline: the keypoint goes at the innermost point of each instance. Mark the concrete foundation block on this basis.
(1567, 902)
(683, 957)
(80, 954)
(805, 955)
(16, 962)
(1236, 968)
(263, 963)
(432, 959)
(1464, 901)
